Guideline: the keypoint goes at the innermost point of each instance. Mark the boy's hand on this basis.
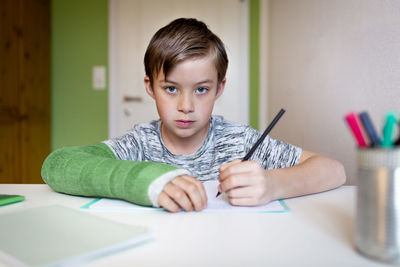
(246, 183)
(183, 192)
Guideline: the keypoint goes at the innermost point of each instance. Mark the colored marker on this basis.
(355, 126)
(259, 141)
(370, 129)
(397, 143)
(391, 121)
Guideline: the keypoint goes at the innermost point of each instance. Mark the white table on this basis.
(318, 231)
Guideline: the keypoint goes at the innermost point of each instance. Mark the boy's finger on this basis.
(191, 189)
(226, 165)
(241, 192)
(235, 181)
(201, 190)
(240, 167)
(167, 203)
(176, 193)
(246, 201)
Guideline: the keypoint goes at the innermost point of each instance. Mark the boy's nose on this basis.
(185, 104)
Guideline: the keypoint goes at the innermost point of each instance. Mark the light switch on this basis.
(99, 77)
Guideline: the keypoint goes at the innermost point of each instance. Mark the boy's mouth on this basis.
(184, 123)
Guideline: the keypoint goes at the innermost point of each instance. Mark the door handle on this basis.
(132, 99)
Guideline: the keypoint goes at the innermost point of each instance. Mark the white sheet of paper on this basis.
(214, 204)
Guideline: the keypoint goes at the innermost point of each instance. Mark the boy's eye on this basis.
(201, 90)
(170, 89)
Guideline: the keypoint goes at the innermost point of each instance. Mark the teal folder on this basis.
(10, 199)
(56, 236)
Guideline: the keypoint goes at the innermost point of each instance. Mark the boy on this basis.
(162, 163)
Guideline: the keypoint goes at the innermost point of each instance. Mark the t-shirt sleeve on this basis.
(127, 146)
(272, 153)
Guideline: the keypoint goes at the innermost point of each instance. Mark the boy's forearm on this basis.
(315, 174)
(94, 171)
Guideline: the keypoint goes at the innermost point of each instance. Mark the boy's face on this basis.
(185, 99)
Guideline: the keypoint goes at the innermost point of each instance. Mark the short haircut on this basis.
(182, 39)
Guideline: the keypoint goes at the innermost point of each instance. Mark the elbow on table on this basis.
(46, 167)
(51, 165)
(339, 173)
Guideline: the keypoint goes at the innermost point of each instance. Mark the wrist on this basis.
(274, 185)
(158, 185)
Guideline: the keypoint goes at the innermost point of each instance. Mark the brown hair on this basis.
(180, 40)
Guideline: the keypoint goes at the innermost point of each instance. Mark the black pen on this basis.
(397, 142)
(259, 141)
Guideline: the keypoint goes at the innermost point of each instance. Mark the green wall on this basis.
(79, 39)
(254, 62)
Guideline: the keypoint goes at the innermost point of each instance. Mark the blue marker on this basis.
(370, 129)
(391, 121)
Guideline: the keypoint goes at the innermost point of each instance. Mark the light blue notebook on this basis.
(57, 236)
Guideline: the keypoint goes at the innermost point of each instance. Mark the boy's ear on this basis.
(221, 87)
(147, 85)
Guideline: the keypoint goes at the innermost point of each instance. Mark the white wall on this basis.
(328, 57)
(133, 23)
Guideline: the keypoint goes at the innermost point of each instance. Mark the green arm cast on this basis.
(94, 171)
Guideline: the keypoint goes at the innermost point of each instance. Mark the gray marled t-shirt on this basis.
(225, 142)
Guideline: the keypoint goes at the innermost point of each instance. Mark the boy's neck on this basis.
(184, 146)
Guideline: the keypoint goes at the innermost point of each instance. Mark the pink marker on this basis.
(355, 126)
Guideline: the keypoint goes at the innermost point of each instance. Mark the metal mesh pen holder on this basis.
(377, 229)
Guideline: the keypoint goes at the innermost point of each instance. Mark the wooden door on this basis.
(24, 89)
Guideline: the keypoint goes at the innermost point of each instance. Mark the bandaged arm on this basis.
(94, 171)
